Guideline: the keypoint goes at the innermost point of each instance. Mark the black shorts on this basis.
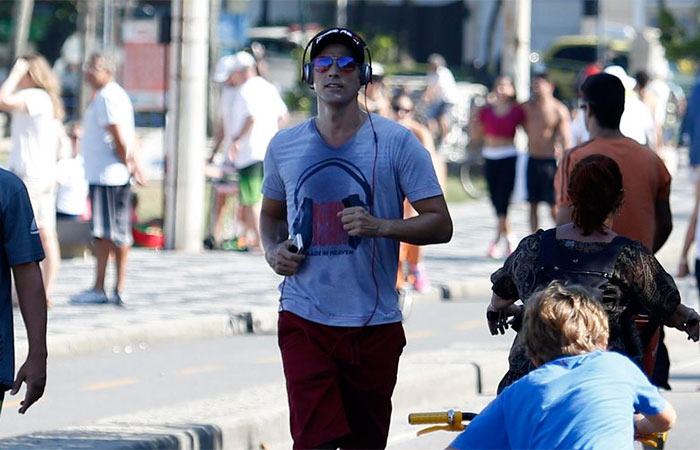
(540, 179)
(500, 177)
(111, 214)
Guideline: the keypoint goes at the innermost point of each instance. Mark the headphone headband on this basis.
(307, 74)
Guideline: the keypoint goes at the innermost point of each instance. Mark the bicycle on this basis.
(454, 421)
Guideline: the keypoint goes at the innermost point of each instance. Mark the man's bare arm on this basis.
(275, 237)
(432, 225)
(32, 303)
(564, 128)
(663, 218)
(120, 145)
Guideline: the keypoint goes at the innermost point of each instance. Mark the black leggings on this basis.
(500, 177)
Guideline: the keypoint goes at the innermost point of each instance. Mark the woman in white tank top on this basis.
(31, 93)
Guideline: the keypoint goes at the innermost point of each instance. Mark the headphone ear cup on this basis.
(365, 74)
(308, 74)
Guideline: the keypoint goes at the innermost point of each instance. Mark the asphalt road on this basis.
(128, 380)
(86, 388)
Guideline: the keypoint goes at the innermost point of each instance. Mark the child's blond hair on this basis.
(563, 321)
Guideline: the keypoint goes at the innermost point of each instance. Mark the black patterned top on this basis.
(639, 284)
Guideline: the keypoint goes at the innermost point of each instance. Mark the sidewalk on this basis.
(176, 296)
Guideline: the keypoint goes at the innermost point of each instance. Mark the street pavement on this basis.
(175, 296)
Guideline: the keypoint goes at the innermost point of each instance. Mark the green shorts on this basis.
(250, 181)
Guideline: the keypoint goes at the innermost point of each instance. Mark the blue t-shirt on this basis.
(20, 245)
(583, 402)
(335, 284)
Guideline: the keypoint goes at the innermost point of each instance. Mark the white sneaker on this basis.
(90, 296)
(119, 299)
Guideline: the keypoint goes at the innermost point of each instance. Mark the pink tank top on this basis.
(501, 126)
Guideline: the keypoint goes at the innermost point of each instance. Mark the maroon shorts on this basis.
(339, 381)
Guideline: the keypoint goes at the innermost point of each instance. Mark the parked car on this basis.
(282, 52)
(569, 55)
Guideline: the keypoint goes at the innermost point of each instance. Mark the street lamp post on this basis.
(186, 126)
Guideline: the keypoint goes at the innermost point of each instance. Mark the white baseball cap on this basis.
(627, 81)
(224, 68)
(243, 60)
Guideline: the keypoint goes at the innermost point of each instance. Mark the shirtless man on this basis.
(548, 130)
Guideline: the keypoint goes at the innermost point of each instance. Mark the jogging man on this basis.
(336, 184)
(548, 131)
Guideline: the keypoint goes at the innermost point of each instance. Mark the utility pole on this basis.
(341, 13)
(515, 60)
(88, 13)
(186, 126)
(639, 15)
(20, 29)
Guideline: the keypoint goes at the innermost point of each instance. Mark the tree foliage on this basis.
(675, 39)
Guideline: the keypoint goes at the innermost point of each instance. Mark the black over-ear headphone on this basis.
(307, 70)
(303, 221)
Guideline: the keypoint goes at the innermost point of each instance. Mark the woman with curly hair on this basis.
(635, 283)
(32, 94)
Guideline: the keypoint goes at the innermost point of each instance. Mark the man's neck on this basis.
(606, 133)
(99, 86)
(338, 124)
(542, 99)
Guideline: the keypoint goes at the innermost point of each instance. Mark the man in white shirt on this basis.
(257, 114)
(223, 168)
(107, 145)
(440, 94)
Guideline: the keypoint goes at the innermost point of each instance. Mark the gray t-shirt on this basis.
(345, 281)
(20, 245)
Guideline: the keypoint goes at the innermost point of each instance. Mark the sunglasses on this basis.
(398, 109)
(345, 63)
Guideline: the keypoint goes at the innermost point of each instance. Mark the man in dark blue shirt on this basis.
(20, 254)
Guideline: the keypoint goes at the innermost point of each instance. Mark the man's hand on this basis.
(683, 270)
(282, 261)
(33, 374)
(357, 221)
(233, 150)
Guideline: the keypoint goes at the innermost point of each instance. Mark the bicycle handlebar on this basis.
(449, 417)
(452, 421)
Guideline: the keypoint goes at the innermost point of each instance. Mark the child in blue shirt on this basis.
(580, 396)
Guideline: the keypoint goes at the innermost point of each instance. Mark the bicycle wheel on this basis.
(471, 175)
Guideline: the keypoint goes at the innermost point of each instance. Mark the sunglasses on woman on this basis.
(345, 63)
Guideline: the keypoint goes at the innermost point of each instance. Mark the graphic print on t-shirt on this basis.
(322, 191)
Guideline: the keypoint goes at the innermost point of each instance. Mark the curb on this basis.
(256, 319)
(249, 419)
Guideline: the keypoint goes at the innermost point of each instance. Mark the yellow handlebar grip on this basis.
(428, 418)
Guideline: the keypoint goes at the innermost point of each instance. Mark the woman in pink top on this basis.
(496, 124)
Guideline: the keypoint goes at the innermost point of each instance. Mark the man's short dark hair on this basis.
(543, 76)
(605, 96)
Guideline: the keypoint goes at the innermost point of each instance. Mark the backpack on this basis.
(593, 270)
